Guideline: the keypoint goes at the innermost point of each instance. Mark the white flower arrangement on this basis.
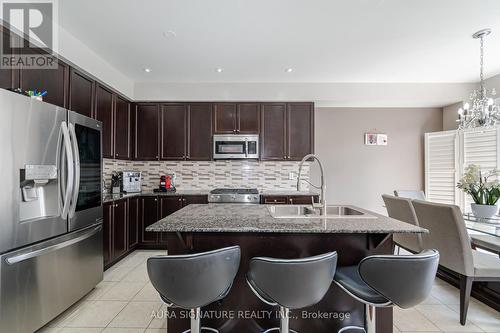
(483, 187)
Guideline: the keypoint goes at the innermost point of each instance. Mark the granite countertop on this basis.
(109, 197)
(256, 218)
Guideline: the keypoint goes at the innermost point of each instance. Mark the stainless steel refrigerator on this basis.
(50, 210)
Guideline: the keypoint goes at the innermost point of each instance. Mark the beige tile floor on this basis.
(124, 300)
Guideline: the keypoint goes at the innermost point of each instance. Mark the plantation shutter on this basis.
(480, 147)
(441, 161)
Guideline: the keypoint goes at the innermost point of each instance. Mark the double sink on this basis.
(308, 211)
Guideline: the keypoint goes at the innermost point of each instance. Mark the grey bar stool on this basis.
(291, 283)
(388, 280)
(193, 281)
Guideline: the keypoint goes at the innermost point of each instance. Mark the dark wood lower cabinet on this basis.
(126, 220)
(168, 205)
(133, 222)
(107, 231)
(274, 199)
(194, 199)
(153, 209)
(115, 231)
(302, 199)
(149, 215)
(288, 199)
(120, 226)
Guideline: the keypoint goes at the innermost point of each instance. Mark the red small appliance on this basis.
(166, 183)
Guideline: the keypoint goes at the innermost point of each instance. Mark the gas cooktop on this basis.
(234, 195)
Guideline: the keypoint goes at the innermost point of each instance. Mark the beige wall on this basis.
(358, 174)
(450, 116)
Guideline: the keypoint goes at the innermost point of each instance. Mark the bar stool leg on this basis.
(285, 320)
(370, 323)
(195, 320)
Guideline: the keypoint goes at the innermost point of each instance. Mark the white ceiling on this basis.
(255, 41)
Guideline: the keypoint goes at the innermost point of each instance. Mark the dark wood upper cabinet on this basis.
(300, 130)
(287, 131)
(173, 131)
(54, 81)
(6, 78)
(200, 132)
(133, 222)
(225, 118)
(236, 118)
(273, 131)
(120, 226)
(149, 215)
(9, 78)
(81, 93)
(104, 113)
(146, 133)
(248, 118)
(122, 129)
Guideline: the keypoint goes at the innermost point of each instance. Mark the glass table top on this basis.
(486, 226)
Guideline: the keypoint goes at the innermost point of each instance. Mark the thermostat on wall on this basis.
(375, 139)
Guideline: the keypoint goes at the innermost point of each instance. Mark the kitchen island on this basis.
(198, 228)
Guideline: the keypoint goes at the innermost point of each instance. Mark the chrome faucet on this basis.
(322, 200)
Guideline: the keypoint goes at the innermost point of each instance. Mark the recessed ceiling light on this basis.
(169, 34)
(219, 70)
(147, 70)
(289, 70)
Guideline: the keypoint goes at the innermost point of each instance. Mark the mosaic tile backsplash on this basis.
(265, 176)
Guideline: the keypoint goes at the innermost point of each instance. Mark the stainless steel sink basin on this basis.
(341, 211)
(305, 211)
(291, 211)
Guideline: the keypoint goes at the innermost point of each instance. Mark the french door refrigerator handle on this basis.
(70, 170)
(76, 184)
(25, 256)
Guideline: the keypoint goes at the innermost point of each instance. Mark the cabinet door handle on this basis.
(180, 199)
(291, 200)
(156, 199)
(116, 154)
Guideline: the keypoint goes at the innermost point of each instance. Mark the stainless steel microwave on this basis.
(236, 146)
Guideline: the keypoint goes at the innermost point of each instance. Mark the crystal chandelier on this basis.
(481, 110)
